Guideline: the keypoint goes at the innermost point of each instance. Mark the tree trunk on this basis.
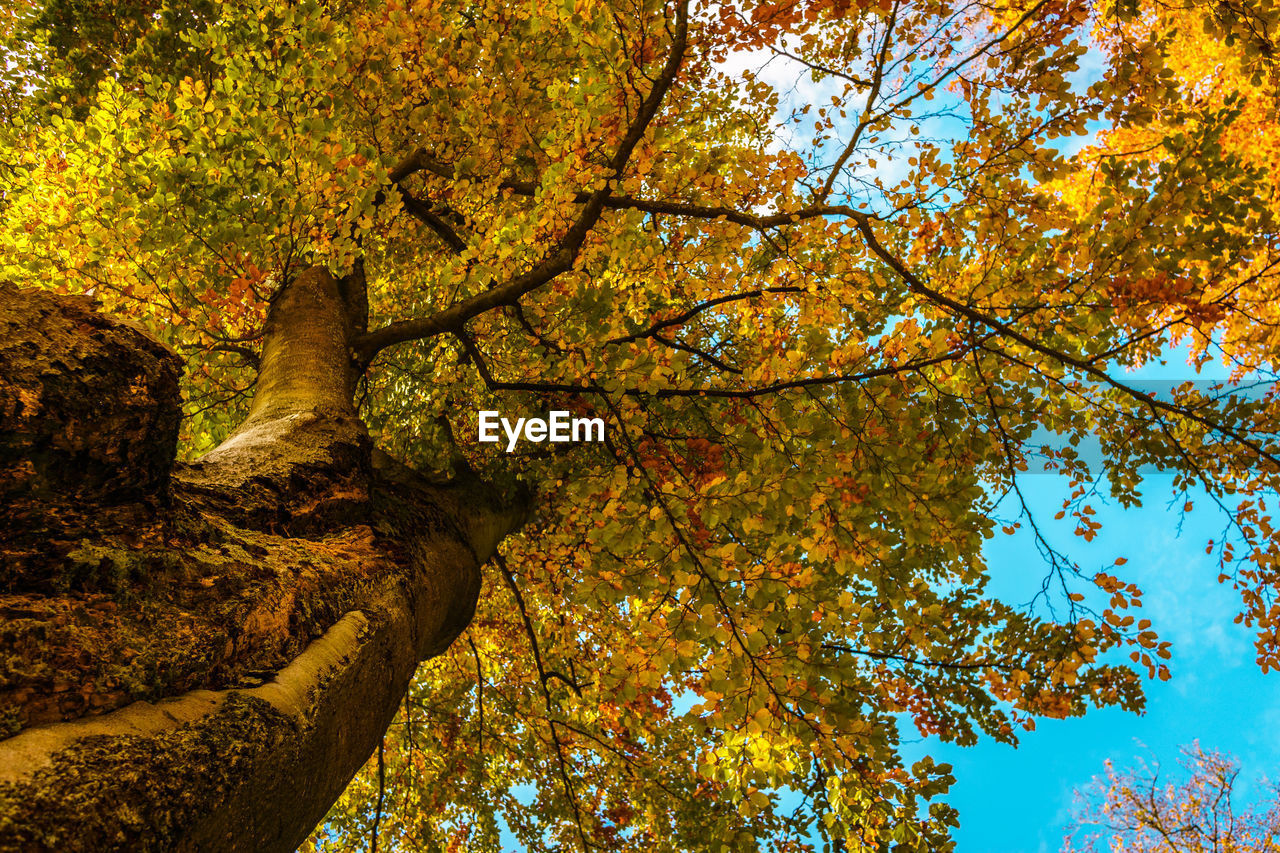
(200, 657)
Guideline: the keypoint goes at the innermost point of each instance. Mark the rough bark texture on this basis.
(70, 466)
(200, 657)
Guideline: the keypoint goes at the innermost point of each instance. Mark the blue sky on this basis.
(1020, 800)
(1014, 800)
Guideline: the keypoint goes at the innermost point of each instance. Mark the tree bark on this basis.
(200, 657)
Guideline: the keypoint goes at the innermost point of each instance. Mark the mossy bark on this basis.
(199, 657)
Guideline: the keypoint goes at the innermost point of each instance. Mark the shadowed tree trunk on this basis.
(200, 657)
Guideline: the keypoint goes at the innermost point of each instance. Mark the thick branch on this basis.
(300, 460)
(423, 212)
(561, 258)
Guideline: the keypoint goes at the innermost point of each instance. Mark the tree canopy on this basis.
(1147, 809)
(836, 274)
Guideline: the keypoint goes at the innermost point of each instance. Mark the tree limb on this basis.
(560, 259)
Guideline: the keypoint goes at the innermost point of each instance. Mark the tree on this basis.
(826, 338)
(1136, 811)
